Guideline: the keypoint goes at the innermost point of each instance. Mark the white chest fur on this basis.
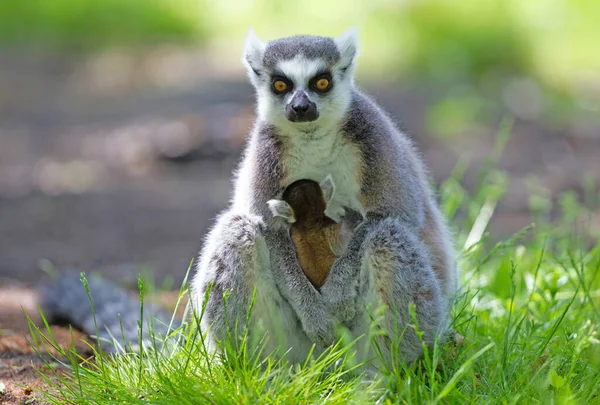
(314, 159)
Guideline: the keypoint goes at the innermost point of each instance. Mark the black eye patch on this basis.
(281, 84)
(321, 83)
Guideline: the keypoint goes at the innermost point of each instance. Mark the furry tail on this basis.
(114, 320)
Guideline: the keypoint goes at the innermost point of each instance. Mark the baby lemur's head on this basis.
(304, 202)
(307, 201)
(302, 82)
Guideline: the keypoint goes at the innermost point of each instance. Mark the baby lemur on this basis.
(313, 121)
(317, 238)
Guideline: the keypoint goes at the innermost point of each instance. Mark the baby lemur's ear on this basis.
(282, 209)
(253, 53)
(347, 44)
(328, 188)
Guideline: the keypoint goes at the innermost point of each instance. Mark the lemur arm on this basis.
(309, 305)
(340, 288)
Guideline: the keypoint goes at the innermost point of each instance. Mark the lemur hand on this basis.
(335, 211)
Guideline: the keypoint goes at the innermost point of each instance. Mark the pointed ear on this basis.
(253, 53)
(347, 44)
(328, 187)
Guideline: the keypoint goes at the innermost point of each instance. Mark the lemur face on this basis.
(302, 82)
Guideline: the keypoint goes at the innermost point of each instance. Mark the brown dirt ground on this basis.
(20, 364)
(23, 364)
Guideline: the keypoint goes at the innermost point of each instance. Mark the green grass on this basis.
(529, 313)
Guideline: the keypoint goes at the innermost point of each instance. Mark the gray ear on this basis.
(347, 44)
(328, 187)
(253, 53)
(282, 209)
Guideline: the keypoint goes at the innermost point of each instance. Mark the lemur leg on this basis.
(235, 258)
(435, 235)
(396, 272)
(393, 268)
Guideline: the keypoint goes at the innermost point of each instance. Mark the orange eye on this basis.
(280, 86)
(322, 84)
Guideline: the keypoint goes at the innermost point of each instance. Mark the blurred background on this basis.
(121, 120)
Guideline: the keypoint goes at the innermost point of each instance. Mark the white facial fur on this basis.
(315, 148)
(300, 70)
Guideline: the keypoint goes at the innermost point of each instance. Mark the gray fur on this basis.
(313, 47)
(235, 258)
(395, 261)
(116, 313)
(375, 164)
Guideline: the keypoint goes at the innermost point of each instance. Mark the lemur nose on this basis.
(301, 107)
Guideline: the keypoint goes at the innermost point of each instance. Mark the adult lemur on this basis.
(312, 121)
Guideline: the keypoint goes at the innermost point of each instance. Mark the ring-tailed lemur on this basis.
(318, 239)
(313, 121)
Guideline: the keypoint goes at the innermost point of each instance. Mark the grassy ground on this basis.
(528, 312)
